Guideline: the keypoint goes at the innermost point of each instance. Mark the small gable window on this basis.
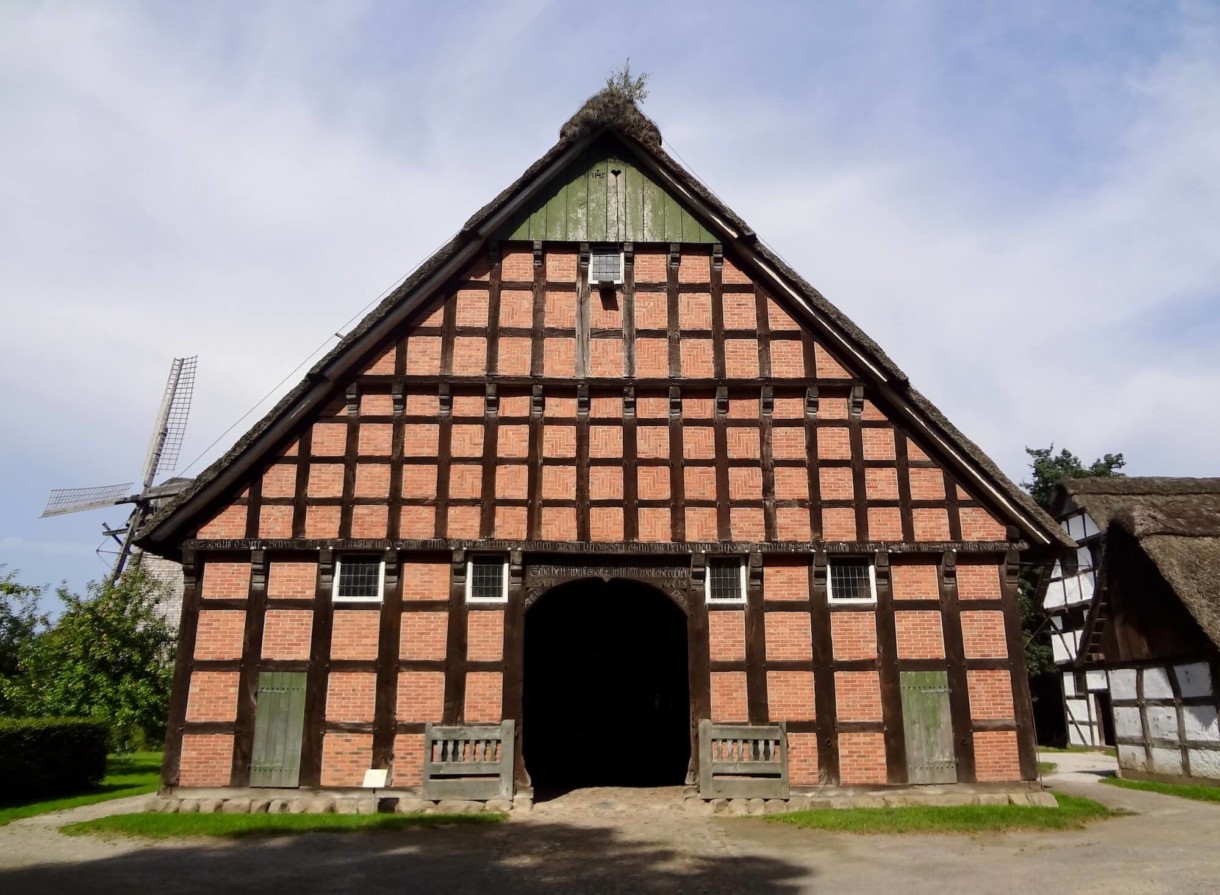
(852, 581)
(359, 579)
(606, 265)
(487, 579)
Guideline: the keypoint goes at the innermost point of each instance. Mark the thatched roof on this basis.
(1175, 522)
(1189, 501)
(607, 113)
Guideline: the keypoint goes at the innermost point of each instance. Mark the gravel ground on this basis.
(637, 841)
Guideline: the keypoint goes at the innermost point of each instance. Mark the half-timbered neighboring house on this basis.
(1135, 615)
(603, 493)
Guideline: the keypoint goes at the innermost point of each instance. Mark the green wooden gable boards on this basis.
(603, 196)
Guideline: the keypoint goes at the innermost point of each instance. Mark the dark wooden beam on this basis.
(824, 699)
(887, 670)
(757, 703)
(698, 657)
(385, 706)
(304, 449)
(955, 662)
(247, 685)
(455, 645)
(677, 484)
(188, 628)
(720, 437)
(319, 671)
(1022, 700)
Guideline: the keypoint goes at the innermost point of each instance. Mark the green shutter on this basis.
(928, 727)
(279, 719)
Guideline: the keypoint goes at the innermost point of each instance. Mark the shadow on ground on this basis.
(511, 858)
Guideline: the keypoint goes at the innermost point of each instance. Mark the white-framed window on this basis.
(851, 580)
(606, 264)
(359, 579)
(487, 579)
(725, 581)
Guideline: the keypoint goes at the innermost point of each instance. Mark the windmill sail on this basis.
(170, 428)
(76, 500)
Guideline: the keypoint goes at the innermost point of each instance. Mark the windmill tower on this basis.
(163, 449)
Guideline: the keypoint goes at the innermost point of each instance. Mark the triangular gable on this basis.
(532, 206)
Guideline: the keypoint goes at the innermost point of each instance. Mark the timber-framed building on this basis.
(603, 493)
(1135, 621)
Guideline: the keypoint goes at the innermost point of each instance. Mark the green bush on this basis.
(42, 757)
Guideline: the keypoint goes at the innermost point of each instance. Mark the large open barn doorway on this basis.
(606, 695)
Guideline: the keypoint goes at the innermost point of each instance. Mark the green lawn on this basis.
(236, 826)
(1072, 814)
(126, 775)
(1047, 767)
(1194, 791)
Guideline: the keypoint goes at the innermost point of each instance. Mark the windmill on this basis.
(162, 455)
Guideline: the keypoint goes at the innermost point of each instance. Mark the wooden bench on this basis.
(743, 761)
(471, 762)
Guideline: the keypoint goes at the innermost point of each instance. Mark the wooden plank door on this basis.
(928, 727)
(279, 719)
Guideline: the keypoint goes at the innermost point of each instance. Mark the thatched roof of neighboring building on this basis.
(1175, 522)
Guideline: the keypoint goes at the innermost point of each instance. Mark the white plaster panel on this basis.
(1075, 527)
(1127, 722)
(1122, 683)
(1205, 763)
(1086, 586)
(1096, 680)
(1080, 736)
(1071, 589)
(1084, 559)
(1166, 761)
(1199, 723)
(1069, 684)
(1132, 758)
(1090, 527)
(1162, 722)
(1054, 595)
(1156, 684)
(1061, 647)
(1194, 679)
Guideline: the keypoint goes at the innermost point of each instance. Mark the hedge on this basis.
(43, 757)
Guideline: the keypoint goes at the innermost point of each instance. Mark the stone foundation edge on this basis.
(297, 802)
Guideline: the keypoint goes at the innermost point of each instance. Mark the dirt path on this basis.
(641, 841)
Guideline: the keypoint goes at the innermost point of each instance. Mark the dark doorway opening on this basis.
(1105, 716)
(606, 697)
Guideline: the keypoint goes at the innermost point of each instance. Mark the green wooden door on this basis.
(928, 727)
(279, 718)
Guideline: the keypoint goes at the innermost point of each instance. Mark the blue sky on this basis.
(1018, 201)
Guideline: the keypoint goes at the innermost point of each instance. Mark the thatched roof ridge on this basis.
(1148, 504)
(607, 112)
(610, 108)
(1141, 485)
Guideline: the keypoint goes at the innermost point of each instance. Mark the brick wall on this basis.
(318, 459)
(207, 759)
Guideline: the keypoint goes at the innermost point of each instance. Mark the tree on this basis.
(633, 88)
(1049, 467)
(109, 656)
(20, 622)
